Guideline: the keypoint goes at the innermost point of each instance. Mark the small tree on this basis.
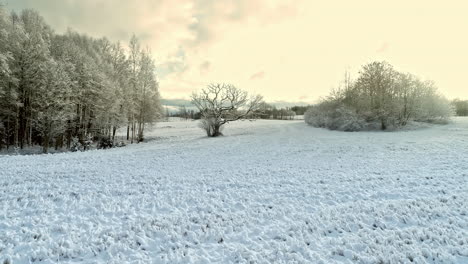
(222, 103)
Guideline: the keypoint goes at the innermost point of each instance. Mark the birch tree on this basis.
(56, 87)
(52, 106)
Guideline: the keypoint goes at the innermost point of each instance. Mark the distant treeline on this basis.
(60, 88)
(461, 107)
(266, 111)
(379, 98)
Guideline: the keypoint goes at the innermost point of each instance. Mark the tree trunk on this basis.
(133, 131)
(45, 143)
(128, 131)
(16, 136)
(7, 133)
(214, 131)
(30, 134)
(22, 127)
(383, 126)
(114, 129)
(69, 136)
(58, 142)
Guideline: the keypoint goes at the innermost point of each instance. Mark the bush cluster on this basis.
(380, 98)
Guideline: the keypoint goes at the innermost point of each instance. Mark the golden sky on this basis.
(292, 50)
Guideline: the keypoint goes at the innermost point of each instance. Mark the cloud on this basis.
(174, 63)
(383, 48)
(161, 25)
(186, 37)
(304, 46)
(205, 67)
(258, 75)
(211, 17)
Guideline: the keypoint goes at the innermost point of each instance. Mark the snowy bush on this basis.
(334, 116)
(316, 116)
(105, 143)
(435, 109)
(120, 144)
(460, 107)
(75, 144)
(346, 119)
(88, 142)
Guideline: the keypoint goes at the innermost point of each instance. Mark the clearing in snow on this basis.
(266, 192)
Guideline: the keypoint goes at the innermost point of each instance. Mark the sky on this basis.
(288, 50)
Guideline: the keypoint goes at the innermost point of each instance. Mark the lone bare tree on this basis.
(222, 103)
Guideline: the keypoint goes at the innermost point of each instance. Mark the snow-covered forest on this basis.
(56, 89)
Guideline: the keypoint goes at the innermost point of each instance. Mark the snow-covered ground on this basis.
(266, 192)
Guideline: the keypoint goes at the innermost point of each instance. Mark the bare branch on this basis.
(223, 103)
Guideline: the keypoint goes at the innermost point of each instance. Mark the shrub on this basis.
(334, 116)
(105, 143)
(75, 144)
(120, 144)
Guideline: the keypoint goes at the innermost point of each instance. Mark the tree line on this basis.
(379, 98)
(461, 107)
(265, 111)
(60, 88)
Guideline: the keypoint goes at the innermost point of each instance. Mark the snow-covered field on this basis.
(267, 192)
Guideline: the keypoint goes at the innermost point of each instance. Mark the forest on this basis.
(57, 90)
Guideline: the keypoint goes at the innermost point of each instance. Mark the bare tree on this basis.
(222, 103)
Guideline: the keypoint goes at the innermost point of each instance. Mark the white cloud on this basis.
(302, 46)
